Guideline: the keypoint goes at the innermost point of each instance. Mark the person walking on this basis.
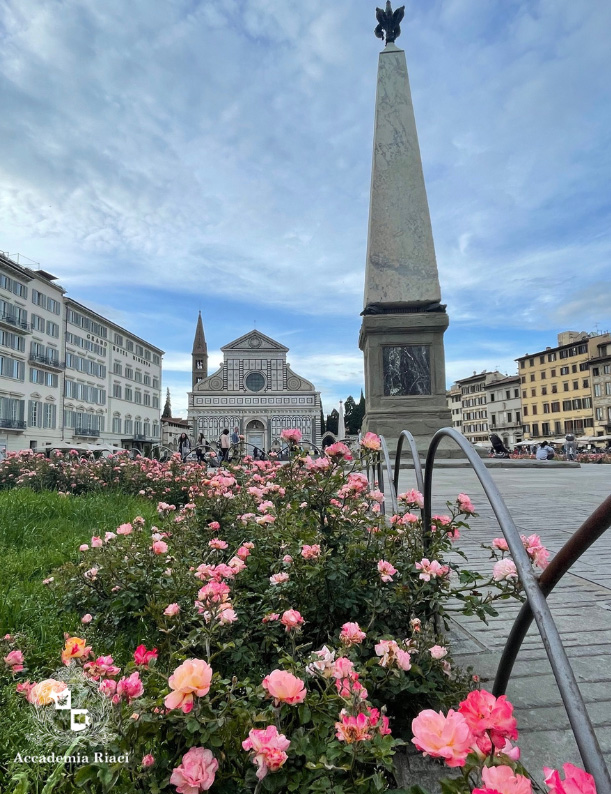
(225, 444)
(571, 446)
(235, 436)
(184, 446)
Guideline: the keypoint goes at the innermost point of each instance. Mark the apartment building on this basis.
(505, 409)
(57, 370)
(454, 404)
(556, 386)
(600, 376)
(474, 405)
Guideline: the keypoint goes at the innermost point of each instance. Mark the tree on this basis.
(359, 413)
(349, 408)
(167, 408)
(333, 421)
(322, 423)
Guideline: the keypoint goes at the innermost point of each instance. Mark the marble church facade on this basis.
(254, 389)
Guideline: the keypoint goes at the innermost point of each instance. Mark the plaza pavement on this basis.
(553, 503)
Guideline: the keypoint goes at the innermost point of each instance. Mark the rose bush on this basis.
(287, 632)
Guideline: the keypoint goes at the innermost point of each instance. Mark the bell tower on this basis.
(199, 355)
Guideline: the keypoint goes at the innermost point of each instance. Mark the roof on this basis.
(255, 341)
(478, 375)
(199, 343)
(114, 325)
(170, 419)
(586, 338)
(508, 379)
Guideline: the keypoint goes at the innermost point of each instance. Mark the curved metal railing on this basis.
(536, 590)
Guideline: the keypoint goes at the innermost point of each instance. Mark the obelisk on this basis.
(403, 320)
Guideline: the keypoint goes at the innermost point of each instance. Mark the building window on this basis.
(555, 407)
(543, 390)
(116, 390)
(533, 392)
(129, 373)
(535, 410)
(526, 410)
(516, 393)
(595, 371)
(116, 424)
(508, 417)
(34, 413)
(554, 389)
(255, 381)
(117, 368)
(565, 386)
(129, 393)
(543, 376)
(535, 429)
(586, 383)
(564, 370)
(140, 351)
(12, 368)
(597, 391)
(147, 398)
(155, 401)
(546, 408)
(49, 418)
(600, 414)
(138, 397)
(545, 429)
(129, 345)
(532, 377)
(118, 340)
(531, 362)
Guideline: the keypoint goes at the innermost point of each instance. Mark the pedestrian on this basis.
(542, 451)
(235, 436)
(225, 444)
(571, 446)
(184, 446)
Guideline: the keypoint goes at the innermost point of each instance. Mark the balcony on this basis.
(139, 437)
(12, 424)
(10, 321)
(86, 431)
(47, 361)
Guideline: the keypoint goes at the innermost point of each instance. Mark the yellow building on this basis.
(556, 386)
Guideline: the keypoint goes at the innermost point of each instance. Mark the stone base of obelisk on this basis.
(405, 385)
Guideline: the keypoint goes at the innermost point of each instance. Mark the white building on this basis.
(505, 409)
(67, 374)
(254, 389)
(454, 404)
(474, 405)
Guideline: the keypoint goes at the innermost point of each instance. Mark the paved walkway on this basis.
(553, 503)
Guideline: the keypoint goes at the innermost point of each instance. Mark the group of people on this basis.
(224, 444)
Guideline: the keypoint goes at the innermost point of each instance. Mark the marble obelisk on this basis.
(403, 320)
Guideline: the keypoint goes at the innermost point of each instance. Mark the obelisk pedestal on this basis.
(403, 320)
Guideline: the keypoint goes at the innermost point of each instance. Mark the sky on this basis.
(162, 157)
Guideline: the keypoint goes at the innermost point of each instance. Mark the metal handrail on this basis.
(538, 607)
(592, 528)
(407, 436)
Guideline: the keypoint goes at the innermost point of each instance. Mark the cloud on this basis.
(216, 154)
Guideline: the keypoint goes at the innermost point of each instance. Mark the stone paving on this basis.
(553, 503)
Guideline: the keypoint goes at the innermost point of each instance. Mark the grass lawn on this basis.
(39, 532)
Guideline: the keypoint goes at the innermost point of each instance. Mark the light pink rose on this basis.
(292, 435)
(148, 760)
(371, 441)
(412, 497)
(83, 547)
(87, 618)
(125, 529)
(442, 737)
(465, 504)
(171, 610)
(196, 772)
(501, 544)
(504, 780)
(284, 687)
(217, 543)
(438, 651)
(159, 547)
(310, 552)
(504, 569)
(278, 578)
(96, 542)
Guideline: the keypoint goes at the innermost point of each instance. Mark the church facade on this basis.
(254, 390)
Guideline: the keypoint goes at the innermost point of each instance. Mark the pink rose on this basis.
(217, 543)
(501, 544)
(171, 610)
(442, 737)
(130, 687)
(353, 729)
(278, 578)
(87, 618)
(14, 660)
(464, 503)
(269, 748)
(192, 677)
(214, 525)
(196, 771)
(412, 497)
(504, 780)
(291, 435)
(351, 634)
(284, 687)
(148, 760)
(83, 547)
(338, 450)
(386, 570)
(310, 552)
(96, 542)
(576, 781)
(292, 619)
(159, 547)
(125, 529)
(143, 657)
(490, 719)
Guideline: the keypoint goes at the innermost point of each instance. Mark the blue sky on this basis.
(162, 157)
